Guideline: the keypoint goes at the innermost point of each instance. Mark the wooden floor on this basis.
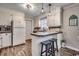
(25, 50)
(20, 50)
(68, 52)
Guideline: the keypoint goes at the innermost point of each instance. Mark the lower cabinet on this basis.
(0, 42)
(5, 40)
(59, 38)
(18, 38)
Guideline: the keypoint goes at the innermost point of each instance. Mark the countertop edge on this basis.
(46, 34)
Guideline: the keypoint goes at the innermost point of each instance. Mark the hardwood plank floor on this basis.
(20, 50)
(25, 50)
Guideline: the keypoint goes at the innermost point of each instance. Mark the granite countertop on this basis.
(45, 33)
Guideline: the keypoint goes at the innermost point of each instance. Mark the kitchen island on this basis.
(39, 37)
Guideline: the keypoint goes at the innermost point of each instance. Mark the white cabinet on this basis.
(50, 21)
(5, 40)
(0, 42)
(58, 16)
(55, 18)
(59, 38)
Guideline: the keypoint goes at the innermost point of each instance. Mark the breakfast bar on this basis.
(39, 37)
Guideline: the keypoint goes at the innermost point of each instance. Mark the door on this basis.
(28, 28)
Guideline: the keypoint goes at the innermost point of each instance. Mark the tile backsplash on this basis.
(48, 30)
(55, 30)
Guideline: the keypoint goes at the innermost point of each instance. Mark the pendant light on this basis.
(49, 14)
(42, 8)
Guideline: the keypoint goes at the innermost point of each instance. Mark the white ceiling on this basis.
(36, 7)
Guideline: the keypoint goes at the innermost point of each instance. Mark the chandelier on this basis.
(28, 6)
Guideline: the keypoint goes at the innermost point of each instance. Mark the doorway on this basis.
(28, 29)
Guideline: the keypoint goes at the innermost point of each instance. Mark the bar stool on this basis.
(49, 48)
(55, 41)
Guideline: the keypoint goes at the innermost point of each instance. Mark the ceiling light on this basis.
(49, 14)
(28, 6)
(42, 8)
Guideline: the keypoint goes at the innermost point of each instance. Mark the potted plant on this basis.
(63, 42)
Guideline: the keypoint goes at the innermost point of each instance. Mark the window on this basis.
(43, 22)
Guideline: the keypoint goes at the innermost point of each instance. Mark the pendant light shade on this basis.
(42, 8)
(49, 10)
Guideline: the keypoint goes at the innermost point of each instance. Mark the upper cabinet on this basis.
(56, 17)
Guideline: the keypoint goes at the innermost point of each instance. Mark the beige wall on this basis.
(71, 33)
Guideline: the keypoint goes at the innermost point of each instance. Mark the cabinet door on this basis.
(18, 36)
(55, 18)
(5, 17)
(58, 17)
(0, 42)
(50, 21)
(6, 40)
(59, 38)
